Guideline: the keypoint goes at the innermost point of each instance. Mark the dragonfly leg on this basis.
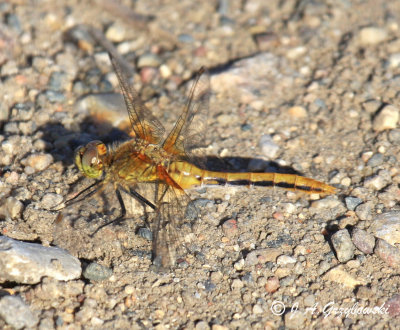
(138, 197)
(132, 193)
(87, 192)
(116, 220)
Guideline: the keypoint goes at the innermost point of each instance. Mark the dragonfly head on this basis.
(90, 159)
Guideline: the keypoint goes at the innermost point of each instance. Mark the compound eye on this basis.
(90, 158)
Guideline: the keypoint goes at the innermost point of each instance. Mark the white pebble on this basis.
(372, 35)
(387, 118)
(268, 147)
(284, 260)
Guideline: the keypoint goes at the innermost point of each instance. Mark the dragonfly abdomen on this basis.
(188, 175)
(282, 180)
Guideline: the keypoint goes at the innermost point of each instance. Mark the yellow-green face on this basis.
(89, 159)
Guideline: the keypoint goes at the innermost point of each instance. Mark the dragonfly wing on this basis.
(167, 227)
(189, 131)
(144, 124)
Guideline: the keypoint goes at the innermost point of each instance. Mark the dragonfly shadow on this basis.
(64, 141)
(244, 164)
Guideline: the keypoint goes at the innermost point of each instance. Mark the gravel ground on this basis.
(311, 87)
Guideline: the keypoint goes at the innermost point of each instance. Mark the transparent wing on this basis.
(144, 124)
(189, 131)
(168, 225)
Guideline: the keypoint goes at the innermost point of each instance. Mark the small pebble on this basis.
(265, 40)
(371, 106)
(97, 272)
(209, 286)
(375, 182)
(218, 327)
(339, 275)
(394, 136)
(27, 128)
(309, 300)
(23, 111)
(387, 227)
(16, 313)
(116, 32)
(326, 203)
(289, 208)
(285, 260)
(352, 202)
(165, 71)
(237, 284)
(4, 112)
(13, 22)
(229, 228)
(272, 284)
(257, 309)
(375, 160)
(129, 289)
(110, 105)
(148, 74)
(54, 96)
(297, 112)
(296, 52)
(145, 233)
(12, 209)
(288, 280)
(11, 128)
(366, 156)
(295, 319)
(224, 119)
(257, 105)
(246, 127)
(393, 306)
(149, 59)
(185, 38)
(58, 81)
(82, 37)
(38, 162)
(353, 264)
(224, 20)
(388, 253)
(364, 292)
(8, 146)
(343, 245)
(363, 211)
(372, 35)
(363, 241)
(394, 60)
(239, 265)
(96, 322)
(50, 200)
(248, 277)
(9, 68)
(387, 118)
(300, 250)
(262, 256)
(12, 177)
(268, 147)
(202, 325)
(216, 277)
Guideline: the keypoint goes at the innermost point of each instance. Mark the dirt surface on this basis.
(312, 86)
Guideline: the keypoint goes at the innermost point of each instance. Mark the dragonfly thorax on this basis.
(156, 154)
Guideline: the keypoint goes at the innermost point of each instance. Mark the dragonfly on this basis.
(157, 168)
